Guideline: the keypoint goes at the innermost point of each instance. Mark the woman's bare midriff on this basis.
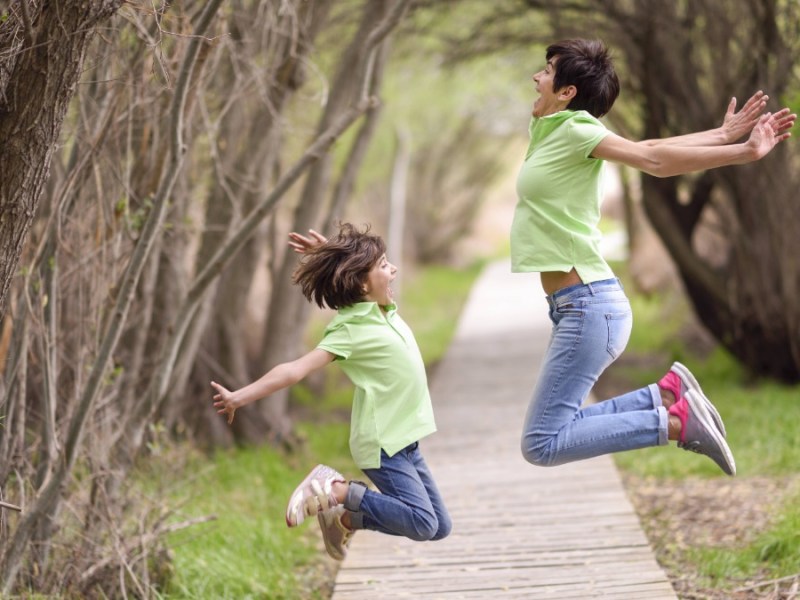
(552, 281)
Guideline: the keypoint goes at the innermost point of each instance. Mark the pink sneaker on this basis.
(335, 535)
(699, 433)
(680, 380)
(313, 495)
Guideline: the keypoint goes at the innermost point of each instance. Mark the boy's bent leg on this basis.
(403, 506)
(439, 508)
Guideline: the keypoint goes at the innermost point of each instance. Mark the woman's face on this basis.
(378, 285)
(549, 101)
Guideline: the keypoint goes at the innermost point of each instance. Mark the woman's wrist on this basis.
(724, 136)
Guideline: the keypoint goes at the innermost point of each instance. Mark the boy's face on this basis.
(377, 288)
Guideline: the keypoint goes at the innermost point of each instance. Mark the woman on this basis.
(555, 233)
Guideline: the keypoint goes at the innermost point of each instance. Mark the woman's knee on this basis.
(536, 452)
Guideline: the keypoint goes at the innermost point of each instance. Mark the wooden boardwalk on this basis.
(519, 531)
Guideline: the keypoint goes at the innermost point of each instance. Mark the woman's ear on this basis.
(568, 92)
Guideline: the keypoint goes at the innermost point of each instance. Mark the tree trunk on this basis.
(47, 501)
(42, 75)
(746, 291)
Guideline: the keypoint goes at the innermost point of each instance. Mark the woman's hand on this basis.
(224, 401)
(302, 244)
(770, 130)
(783, 121)
(737, 124)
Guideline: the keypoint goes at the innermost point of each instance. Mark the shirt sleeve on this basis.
(585, 133)
(338, 342)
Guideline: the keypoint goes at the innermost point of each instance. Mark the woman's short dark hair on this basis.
(587, 65)
(334, 273)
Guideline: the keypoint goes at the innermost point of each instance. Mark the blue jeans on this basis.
(409, 504)
(591, 327)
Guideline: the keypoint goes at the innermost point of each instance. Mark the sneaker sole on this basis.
(704, 417)
(329, 548)
(691, 383)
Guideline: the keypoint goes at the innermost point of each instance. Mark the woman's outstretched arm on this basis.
(668, 159)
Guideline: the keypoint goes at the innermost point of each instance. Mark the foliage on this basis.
(453, 122)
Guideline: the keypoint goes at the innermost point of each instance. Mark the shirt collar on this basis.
(361, 309)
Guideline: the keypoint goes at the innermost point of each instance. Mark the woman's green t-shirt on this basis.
(560, 189)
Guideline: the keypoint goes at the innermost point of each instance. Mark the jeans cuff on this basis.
(663, 426)
(663, 416)
(352, 502)
(655, 394)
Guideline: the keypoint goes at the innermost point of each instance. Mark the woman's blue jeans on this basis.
(591, 327)
(409, 503)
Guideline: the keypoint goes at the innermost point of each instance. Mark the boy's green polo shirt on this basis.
(391, 405)
(560, 188)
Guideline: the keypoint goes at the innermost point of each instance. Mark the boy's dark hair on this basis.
(587, 65)
(334, 273)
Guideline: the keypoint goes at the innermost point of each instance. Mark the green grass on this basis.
(248, 552)
(774, 554)
(762, 419)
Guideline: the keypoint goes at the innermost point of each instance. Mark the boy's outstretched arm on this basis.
(301, 243)
(283, 375)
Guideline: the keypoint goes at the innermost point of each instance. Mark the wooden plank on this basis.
(519, 531)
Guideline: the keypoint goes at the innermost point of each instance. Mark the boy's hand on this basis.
(224, 401)
(302, 244)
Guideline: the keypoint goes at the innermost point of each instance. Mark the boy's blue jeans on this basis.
(409, 504)
(591, 327)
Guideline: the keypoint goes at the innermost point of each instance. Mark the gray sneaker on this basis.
(703, 437)
(335, 535)
(688, 382)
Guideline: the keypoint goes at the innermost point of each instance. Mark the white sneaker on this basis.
(335, 535)
(313, 495)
